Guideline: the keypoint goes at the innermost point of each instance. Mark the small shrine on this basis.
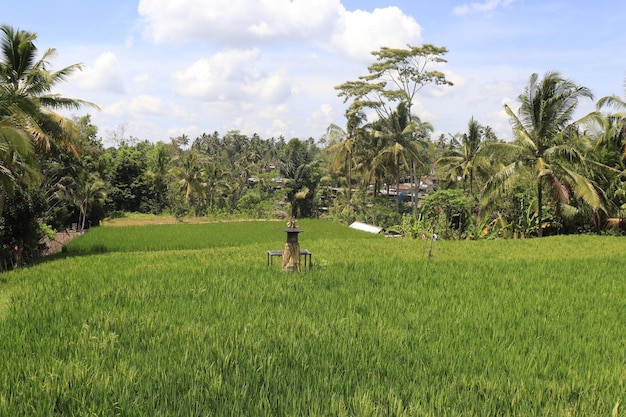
(292, 254)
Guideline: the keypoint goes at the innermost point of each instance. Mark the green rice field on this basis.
(189, 320)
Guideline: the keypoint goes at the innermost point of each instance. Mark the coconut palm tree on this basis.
(216, 183)
(402, 149)
(15, 146)
(190, 176)
(342, 148)
(468, 157)
(28, 105)
(609, 151)
(544, 130)
(26, 86)
(83, 191)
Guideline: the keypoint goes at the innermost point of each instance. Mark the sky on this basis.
(161, 68)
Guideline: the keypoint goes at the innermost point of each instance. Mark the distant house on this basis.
(406, 189)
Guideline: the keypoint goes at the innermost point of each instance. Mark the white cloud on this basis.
(487, 7)
(144, 82)
(273, 88)
(136, 107)
(190, 131)
(242, 23)
(145, 104)
(359, 33)
(103, 75)
(233, 76)
(236, 22)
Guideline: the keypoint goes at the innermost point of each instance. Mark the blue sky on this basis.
(159, 68)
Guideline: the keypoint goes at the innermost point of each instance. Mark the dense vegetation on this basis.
(186, 319)
(558, 176)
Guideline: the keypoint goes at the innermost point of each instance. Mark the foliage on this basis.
(298, 165)
(397, 142)
(545, 145)
(413, 227)
(31, 130)
(576, 170)
(20, 230)
(469, 157)
(447, 211)
(397, 76)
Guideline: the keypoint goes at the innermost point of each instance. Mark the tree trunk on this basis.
(539, 209)
(350, 190)
(414, 182)
(3, 197)
(19, 253)
(397, 186)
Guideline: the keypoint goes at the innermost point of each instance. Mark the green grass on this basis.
(189, 320)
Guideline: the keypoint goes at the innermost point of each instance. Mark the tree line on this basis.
(558, 175)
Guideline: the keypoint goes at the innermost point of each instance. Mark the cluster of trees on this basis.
(55, 172)
(558, 175)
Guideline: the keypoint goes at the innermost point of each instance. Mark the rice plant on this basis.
(190, 320)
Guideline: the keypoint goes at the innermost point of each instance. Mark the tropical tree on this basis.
(467, 157)
(83, 191)
(159, 159)
(190, 177)
(216, 182)
(403, 148)
(16, 158)
(342, 147)
(398, 75)
(29, 105)
(610, 151)
(299, 169)
(92, 191)
(26, 87)
(544, 136)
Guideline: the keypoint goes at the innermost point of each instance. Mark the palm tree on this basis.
(190, 176)
(342, 148)
(26, 86)
(216, 181)
(544, 131)
(467, 157)
(158, 165)
(401, 148)
(17, 158)
(610, 151)
(27, 104)
(15, 146)
(92, 190)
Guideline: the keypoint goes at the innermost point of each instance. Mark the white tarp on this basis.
(366, 227)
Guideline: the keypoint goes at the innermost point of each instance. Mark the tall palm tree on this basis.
(543, 129)
(402, 149)
(342, 147)
(14, 143)
(26, 85)
(216, 181)
(610, 151)
(27, 103)
(190, 176)
(467, 157)
(83, 191)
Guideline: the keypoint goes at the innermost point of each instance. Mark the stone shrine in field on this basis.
(291, 253)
